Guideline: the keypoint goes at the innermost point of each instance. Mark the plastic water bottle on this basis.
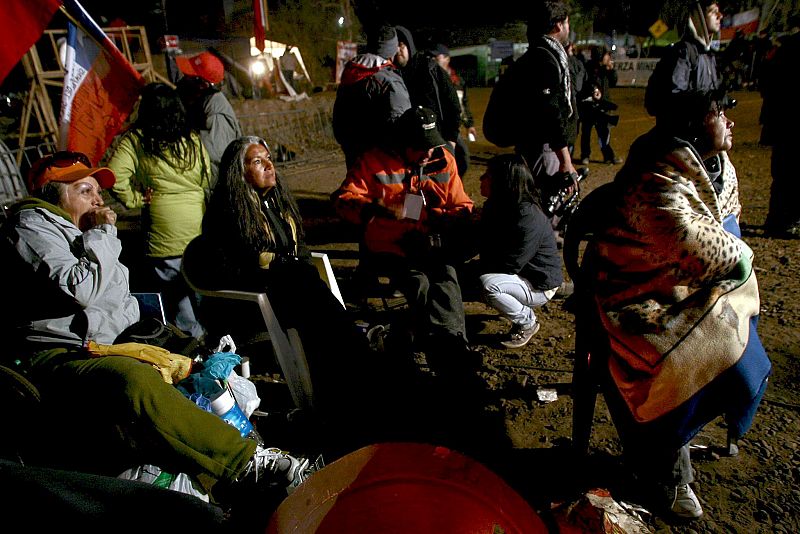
(225, 406)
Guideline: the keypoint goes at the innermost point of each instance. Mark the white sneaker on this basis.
(519, 335)
(275, 465)
(685, 504)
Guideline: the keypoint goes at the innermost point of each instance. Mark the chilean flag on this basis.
(21, 26)
(100, 87)
(747, 22)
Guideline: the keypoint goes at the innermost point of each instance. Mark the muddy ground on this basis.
(527, 441)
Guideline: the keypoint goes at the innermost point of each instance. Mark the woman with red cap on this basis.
(208, 110)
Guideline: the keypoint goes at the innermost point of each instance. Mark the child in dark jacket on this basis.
(519, 258)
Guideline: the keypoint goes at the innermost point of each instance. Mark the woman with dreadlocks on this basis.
(163, 168)
(253, 240)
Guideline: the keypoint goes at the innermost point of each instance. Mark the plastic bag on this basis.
(245, 393)
(153, 475)
(201, 401)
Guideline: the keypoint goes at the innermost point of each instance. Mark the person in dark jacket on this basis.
(253, 230)
(519, 258)
(371, 97)
(689, 66)
(779, 115)
(542, 119)
(595, 104)
(429, 86)
(579, 76)
(441, 53)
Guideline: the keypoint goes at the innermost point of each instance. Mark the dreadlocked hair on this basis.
(162, 127)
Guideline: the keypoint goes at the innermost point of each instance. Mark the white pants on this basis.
(514, 297)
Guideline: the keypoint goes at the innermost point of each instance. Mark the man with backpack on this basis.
(371, 97)
(533, 107)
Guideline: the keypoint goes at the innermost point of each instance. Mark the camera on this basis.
(564, 200)
(613, 120)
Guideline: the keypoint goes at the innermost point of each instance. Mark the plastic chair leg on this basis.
(584, 398)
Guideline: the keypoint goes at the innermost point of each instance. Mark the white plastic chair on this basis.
(286, 344)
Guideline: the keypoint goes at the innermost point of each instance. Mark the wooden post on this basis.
(39, 105)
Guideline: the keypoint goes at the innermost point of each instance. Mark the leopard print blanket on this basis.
(674, 286)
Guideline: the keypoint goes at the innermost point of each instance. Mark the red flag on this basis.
(21, 25)
(260, 22)
(100, 88)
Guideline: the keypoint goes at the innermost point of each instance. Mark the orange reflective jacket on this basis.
(381, 177)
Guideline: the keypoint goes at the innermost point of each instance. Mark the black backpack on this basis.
(499, 126)
(502, 122)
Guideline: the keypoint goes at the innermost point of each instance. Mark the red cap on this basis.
(67, 167)
(204, 65)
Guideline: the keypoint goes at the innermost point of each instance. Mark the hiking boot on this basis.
(685, 503)
(274, 467)
(520, 335)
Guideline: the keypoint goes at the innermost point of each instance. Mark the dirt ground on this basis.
(527, 441)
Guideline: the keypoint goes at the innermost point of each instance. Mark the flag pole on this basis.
(76, 14)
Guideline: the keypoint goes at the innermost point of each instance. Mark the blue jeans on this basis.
(514, 297)
(179, 299)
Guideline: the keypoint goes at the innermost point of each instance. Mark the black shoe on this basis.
(790, 232)
(451, 353)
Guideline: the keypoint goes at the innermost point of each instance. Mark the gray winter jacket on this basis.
(370, 99)
(67, 287)
(221, 127)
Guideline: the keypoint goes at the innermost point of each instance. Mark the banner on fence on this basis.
(634, 72)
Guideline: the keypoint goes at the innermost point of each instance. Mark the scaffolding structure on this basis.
(44, 69)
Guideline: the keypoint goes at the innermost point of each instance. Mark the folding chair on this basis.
(323, 265)
(21, 409)
(373, 279)
(591, 342)
(590, 370)
(286, 343)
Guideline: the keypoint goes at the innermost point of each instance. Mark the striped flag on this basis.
(746, 22)
(100, 87)
(260, 23)
(21, 25)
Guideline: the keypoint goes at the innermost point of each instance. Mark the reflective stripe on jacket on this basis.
(385, 176)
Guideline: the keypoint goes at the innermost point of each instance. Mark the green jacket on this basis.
(175, 212)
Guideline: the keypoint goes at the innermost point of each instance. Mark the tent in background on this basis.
(273, 50)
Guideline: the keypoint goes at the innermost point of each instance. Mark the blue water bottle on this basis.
(225, 406)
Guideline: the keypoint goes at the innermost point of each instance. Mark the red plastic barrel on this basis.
(405, 488)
